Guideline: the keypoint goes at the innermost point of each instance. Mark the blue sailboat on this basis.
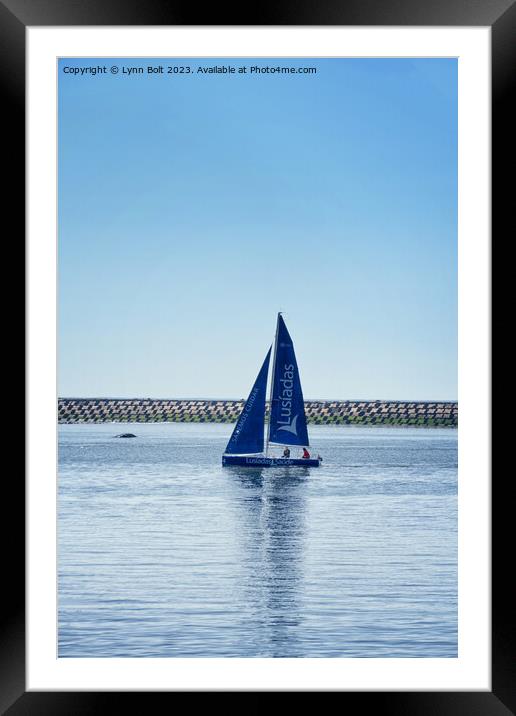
(248, 444)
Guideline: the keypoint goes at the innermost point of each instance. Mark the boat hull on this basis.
(262, 461)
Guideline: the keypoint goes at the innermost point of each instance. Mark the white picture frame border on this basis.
(471, 670)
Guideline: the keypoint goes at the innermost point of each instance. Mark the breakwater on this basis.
(318, 412)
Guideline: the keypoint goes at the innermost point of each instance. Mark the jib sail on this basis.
(247, 437)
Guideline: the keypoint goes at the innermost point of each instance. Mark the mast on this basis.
(272, 384)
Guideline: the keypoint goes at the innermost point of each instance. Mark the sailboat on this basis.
(248, 444)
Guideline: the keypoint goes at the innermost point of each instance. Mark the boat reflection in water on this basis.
(272, 516)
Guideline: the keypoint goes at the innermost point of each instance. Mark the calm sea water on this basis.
(164, 553)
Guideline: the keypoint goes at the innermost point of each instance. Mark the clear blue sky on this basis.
(194, 207)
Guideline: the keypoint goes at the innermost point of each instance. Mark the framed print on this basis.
(183, 180)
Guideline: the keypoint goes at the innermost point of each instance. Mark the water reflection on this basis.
(271, 523)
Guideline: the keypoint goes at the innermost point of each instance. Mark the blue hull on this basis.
(261, 461)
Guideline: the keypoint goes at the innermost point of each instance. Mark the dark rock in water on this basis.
(126, 435)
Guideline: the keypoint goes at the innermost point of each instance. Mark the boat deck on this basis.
(263, 461)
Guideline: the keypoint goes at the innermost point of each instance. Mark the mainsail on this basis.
(247, 437)
(288, 421)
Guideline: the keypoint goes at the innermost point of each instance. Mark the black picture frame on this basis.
(15, 17)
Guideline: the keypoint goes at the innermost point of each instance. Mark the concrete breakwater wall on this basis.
(335, 412)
